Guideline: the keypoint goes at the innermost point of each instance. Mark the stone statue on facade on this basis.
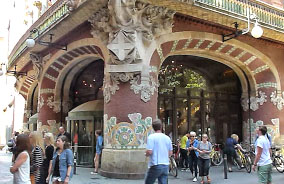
(37, 64)
(128, 27)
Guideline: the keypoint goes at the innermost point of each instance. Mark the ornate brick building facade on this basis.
(115, 52)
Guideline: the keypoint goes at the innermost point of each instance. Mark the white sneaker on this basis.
(194, 179)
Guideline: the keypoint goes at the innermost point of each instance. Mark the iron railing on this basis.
(268, 16)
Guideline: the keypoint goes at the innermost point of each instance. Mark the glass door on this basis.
(82, 132)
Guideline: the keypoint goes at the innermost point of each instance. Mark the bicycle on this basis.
(245, 160)
(216, 156)
(173, 166)
(176, 153)
(277, 159)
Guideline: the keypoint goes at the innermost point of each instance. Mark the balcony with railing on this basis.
(269, 17)
(49, 18)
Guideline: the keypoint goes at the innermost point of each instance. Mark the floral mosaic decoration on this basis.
(126, 135)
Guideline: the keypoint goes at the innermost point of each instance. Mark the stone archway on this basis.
(57, 67)
(247, 62)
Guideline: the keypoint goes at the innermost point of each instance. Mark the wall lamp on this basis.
(12, 72)
(31, 42)
(256, 31)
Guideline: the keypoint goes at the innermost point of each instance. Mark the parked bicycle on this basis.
(216, 156)
(173, 170)
(245, 160)
(277, 159)
(176, 153)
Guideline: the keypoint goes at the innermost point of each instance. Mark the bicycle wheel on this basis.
(173, 167)
(236, 164)
(247, 163)
(279, 164)
(217, 158)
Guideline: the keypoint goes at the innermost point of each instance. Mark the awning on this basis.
(33, 119)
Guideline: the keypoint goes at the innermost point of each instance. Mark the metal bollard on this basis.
(225, 166)
(75, 162)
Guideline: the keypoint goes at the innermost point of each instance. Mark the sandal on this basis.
(208, 181)
(202, 182)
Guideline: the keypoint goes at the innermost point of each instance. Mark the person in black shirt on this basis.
(230, 145)
(63, 132)
(47, 162)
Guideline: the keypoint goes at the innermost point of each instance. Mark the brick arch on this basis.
(57, 68)
(239, 56)
(27, 86)
(76, 49)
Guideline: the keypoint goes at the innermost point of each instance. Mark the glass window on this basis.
(195, 123)
(181, 113)
(165, 113)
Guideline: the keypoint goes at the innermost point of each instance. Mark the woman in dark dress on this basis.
(49, 150)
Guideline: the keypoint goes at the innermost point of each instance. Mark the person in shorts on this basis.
(99, 147)
(263, 160)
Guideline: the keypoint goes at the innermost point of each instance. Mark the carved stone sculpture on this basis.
(72, 4)
(110, 87)
(128, 27)
(55, 105)
(146, 89)
(40, 103)
(37, 64)
(255, 102)
(277, 99)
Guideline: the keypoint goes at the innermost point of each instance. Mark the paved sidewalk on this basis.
(83, 176)
(216, 173)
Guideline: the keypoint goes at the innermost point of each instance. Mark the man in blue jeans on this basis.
(159, 148)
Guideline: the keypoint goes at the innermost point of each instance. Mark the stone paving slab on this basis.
(83, 176)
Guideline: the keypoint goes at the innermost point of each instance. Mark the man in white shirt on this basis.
(159, 148)
(263, 157)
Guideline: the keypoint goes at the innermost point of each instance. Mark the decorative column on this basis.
(130, 87)
(263, 111)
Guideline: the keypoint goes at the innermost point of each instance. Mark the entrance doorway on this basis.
(201, 95)
(84, 140)
(86, 116)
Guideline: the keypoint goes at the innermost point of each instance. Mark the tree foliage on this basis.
(179, 76)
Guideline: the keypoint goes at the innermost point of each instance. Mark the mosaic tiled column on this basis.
(127, 123)
(130, 88)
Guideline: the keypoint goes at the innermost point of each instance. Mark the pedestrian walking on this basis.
(230, 145)
(63, 132)
(159, 148)
(191, 144)
(183, 151)
(21, 166)
(37, 156)
(49, 150)
(61, 170)
(99, 147)
(262, 159)
(204, 148)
